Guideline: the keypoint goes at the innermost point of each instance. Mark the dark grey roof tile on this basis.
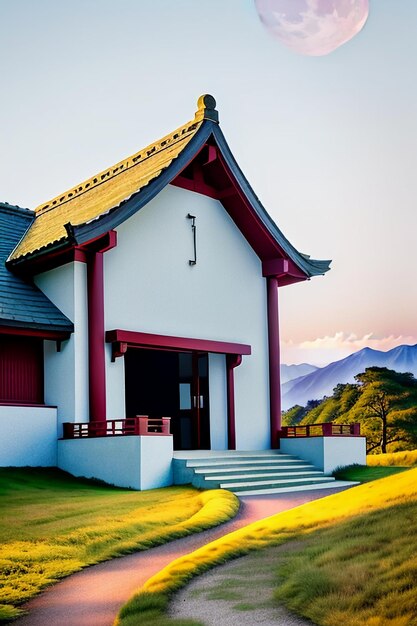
(22, 304)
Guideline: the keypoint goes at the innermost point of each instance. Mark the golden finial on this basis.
(207, 108)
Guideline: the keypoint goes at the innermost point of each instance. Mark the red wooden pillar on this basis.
(274, 359)
(232, 361)
(96, 331)
(96, 345)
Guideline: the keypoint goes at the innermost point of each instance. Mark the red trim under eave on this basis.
(30, 332)
(274, 260)
(68, 253)
(149, 340)
(28, 404)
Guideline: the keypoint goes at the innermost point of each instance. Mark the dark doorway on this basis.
(173, 384)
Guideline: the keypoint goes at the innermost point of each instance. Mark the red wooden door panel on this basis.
(21, 370)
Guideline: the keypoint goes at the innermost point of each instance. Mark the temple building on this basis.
(139, 314)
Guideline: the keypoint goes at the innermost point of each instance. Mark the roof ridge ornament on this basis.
(207, 109)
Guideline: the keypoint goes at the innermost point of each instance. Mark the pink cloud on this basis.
(323, 350)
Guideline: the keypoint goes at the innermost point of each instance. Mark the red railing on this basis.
(138, 425)
(320, 430)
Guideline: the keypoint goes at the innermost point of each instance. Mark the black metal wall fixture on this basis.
(194, 229)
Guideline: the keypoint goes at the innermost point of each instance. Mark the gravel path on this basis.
(239, 593)
(94, 596)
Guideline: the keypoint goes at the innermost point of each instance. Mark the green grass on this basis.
(369, 530)
(358, 573)
(365, 473)
(52, 525)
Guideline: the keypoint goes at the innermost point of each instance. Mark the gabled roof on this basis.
(22, 304)
(102, 192)
(104, 201)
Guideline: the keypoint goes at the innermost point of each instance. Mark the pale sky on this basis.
(328, 143)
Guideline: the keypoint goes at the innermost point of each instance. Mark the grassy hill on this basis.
(52, 524)
(354, 563)
(382, 400)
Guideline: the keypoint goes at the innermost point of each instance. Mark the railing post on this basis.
(327, 429)
(142, 424)
(68, 430)
(166, 421)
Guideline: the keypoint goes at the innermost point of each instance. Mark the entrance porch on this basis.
(138, 453)
(190, 380)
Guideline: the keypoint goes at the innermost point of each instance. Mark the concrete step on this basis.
(225, 454)
(336, 484)
(270, 475)
(209, 471)
(201, 463)
(209, 481)
(245, 472)
(278, 482)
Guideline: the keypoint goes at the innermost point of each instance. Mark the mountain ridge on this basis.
(321, 382)
(289, 372)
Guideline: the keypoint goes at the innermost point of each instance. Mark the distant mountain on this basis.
(289, 372)
(322, 381)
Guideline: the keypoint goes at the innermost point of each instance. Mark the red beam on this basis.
(150, 340)
(31, 332)
(274, 267)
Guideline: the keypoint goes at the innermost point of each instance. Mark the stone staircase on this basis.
(249, 473)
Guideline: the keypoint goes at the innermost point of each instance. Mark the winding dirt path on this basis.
(94, 596)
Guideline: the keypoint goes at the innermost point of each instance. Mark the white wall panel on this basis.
(66, 372)
(130, 461)
(218, 401)
(28, 436)
(150, 287)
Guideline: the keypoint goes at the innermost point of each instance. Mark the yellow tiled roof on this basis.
(106, 190)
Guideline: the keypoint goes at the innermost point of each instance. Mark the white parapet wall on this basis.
(28, 436)
(138, 462)
(327, 453)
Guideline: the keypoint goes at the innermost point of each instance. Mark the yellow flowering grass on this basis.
(406, 458)
(52, 525)
(372, 497)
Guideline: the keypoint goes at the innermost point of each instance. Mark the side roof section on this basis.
(22, 304)
(104, 201)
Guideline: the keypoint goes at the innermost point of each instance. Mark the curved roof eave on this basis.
(311, 267)
(82, 233)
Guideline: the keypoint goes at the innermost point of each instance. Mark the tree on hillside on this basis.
(382, 400)
(378, 407)
(293, 416)
(389, 399)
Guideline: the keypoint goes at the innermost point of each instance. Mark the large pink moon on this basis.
(313, 27)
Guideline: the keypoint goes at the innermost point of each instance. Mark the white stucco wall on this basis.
(218, 401)
(135, 462)
(28, 436)
(327, 453)
(150, 287)
(66, 372)
(115, 386)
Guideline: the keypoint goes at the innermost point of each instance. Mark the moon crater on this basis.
(313, 27)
